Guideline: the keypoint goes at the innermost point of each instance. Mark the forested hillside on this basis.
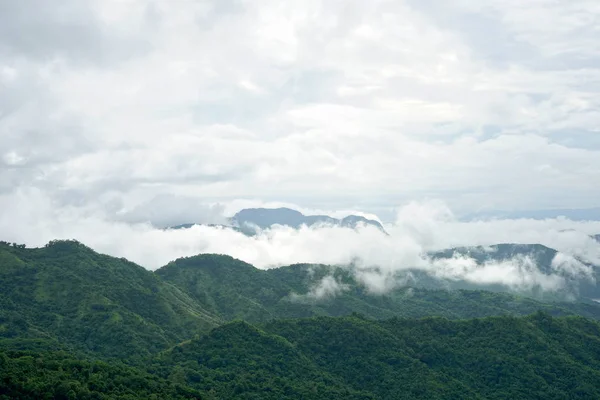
(534, 357)
(92, 302)
(235, 289)
(78, 324)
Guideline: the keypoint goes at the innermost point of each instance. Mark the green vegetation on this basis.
(533, 357)
(234, 289)
(75, 324)
(241, 360)
(58, 375)
(538, 357)
(69, 293)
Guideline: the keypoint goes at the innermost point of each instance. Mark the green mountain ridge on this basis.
(433, 358)
(67, 293)
(245, 292)
(93, 302)
(75, 324)
(531, 357)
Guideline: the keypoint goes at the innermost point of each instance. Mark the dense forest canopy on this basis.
(75, 324)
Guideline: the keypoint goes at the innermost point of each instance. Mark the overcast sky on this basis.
(134, 108)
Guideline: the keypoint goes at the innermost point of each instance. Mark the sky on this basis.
(324, 104)
(120, 115)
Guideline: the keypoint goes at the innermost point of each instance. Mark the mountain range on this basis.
(78, 324)
(251, 220)
(111, 306)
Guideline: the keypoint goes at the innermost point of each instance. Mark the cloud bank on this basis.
(419, 229)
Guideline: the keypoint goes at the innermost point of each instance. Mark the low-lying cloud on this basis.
(520, 273)
(325, 288)
(418, 229)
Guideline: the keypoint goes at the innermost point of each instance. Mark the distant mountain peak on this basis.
(265, 218)
(250, 220)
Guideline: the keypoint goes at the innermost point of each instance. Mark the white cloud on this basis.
(381, 281)
(519, 273)
(326, 104)
(327, 287)
(571, 266)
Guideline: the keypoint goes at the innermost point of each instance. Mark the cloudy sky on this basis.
(325, 104)
(121, 112)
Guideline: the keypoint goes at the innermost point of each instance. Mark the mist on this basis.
(419, 228)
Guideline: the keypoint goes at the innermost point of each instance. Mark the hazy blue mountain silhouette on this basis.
(250, 220)
(265, 218)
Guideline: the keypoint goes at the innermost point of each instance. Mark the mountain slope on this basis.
(69, 295)
(35, 375)
(234, 289)
(262, 365)
(226, 286)
(163, 335)
(534, 357)
(94, 302)
(496, 357)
